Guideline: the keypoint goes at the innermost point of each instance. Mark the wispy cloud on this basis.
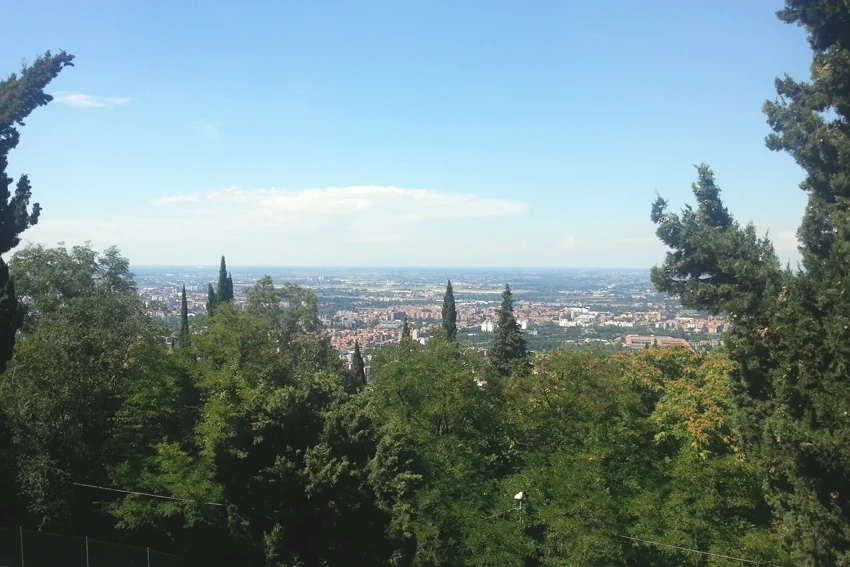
(175, 199)
(569, 243)
(377, 203)
(362, 225)
(786, 242)
(209, 130)
(78, 100)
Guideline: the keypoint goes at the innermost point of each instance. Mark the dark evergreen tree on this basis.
(224, 293)
(229, 287)
(508, 349)
(212, 300)
(405, 330)
(789, 331)
(449, 312)
(358, 367)
(19, 96)
(184, 318)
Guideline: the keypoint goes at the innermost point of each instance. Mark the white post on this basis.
(149, 557)
(22, 544)
(87, 551)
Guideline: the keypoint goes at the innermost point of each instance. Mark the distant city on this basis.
(556, 308)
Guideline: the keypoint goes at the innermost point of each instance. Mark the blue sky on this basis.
(400, 133)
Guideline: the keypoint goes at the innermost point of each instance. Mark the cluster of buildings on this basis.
(379, 326)
(584, 317)
(373, 316)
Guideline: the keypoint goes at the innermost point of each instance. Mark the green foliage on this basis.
(212, 300)
(11, 315)
(271, 453)
(789, 333)
(184, 318)
(279, 439)
(454, 434)
(358, 367)
(449, 312)
(224, 291)
(634, 445)
(405, 330)
(508, 351)
(292, 308)
(19, 96)
(85, 343)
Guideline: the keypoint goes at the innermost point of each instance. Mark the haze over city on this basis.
(440, 134)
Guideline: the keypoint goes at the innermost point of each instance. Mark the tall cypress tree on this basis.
(222, 292)
(184, 318)
(405, 330)
(229, 288)
(19, 96)
(212, 300)
(358, 367)
(789, 331)
(449, 312)
(508, 344)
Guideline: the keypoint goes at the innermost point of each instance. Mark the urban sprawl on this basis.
(566, 308)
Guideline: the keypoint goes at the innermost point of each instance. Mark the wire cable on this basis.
(658, 543)
(696, 551)
(141, 493)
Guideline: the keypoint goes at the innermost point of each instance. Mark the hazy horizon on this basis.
(507, 136)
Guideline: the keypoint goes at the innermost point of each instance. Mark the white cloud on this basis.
(373, 203)
(174, 199)
(78, 100)
(209, 130)
(569, 243)
(786, 242)
(359, 225)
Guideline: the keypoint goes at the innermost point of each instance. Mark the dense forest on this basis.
(244, 439)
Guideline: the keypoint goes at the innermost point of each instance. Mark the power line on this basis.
(658, 543)
(696, 551)
(502, 513)
(141, 493)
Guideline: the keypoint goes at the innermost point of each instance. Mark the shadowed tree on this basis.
(449, 312)
(358, 367)
(229, 287)
(405, 330)
(184, 317)
(212, 300)
(19, 96)
(224, 291)
(508, 345)
(789, 335)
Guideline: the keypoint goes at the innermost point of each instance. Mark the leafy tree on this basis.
(301, 306)
(789, 330)
(264, 299)
(449, 312)
(508, 350)
(86, 341)
(405, 330)
(281, 439)
(358, 367)
(212, 300)
(184, 317)
(229, 286)
(449, 436)
(640, 445)
(19, 96)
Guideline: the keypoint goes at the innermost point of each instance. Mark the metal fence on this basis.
(25, 548)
